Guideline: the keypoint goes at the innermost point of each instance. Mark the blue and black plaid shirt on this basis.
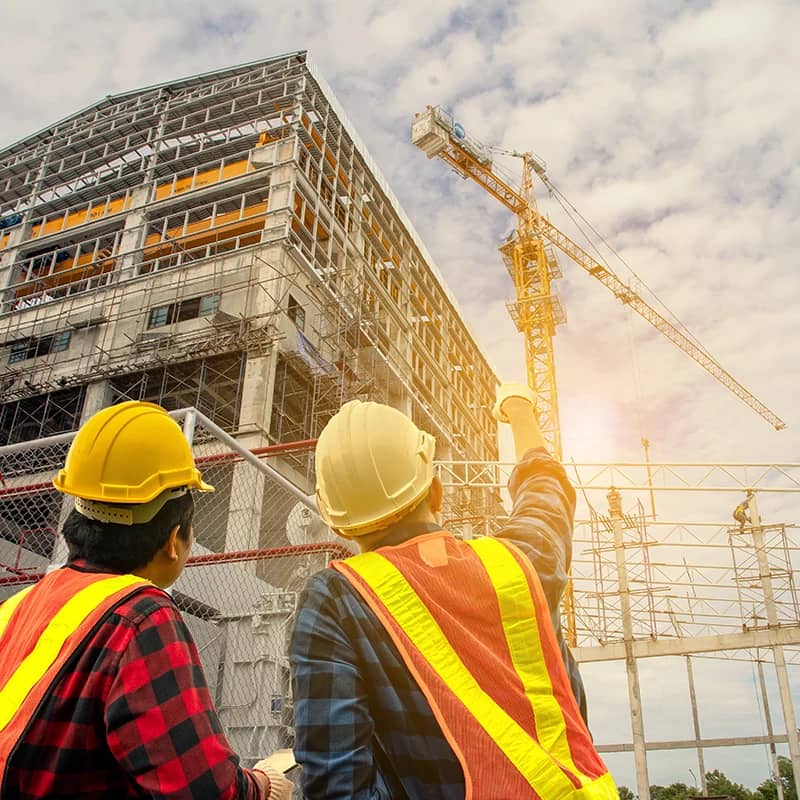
(364, 729)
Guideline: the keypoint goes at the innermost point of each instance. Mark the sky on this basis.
(671, 126)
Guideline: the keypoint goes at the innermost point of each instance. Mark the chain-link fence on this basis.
(257, 538)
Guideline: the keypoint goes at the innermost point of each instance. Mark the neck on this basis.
(397, 534)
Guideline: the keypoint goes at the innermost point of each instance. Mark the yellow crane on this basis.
(529, 258)
(532, 265)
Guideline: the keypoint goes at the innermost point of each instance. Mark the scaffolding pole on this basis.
(631, 667)
(778, 653)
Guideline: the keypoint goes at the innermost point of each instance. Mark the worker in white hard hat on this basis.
(102, 693)
(427, 667)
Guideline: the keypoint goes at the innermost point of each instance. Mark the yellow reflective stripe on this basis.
(518, 615)
(406, 607)
(47, 648)
(8, 607)
(602, 788)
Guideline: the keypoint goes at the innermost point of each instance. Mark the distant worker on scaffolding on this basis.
(742, 512)
(102, 693)
(430, 668)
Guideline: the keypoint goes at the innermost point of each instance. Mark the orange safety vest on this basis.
(40, 628)
(472, 624)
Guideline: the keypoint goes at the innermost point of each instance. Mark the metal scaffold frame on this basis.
(657, 586)
(183, 200)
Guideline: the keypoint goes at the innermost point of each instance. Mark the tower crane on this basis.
(529, 258)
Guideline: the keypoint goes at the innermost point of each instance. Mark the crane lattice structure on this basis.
(530, 260)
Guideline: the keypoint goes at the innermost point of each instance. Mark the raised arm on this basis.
(543, 501)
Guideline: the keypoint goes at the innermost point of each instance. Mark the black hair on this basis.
(124, 548)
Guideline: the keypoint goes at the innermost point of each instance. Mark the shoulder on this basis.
(144, 603)
(325, 589)
(151, 609)
(329, 602)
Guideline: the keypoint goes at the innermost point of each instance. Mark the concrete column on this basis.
(258, 388)
(634, 692)
(244, 511)
(778, 654)
(243, 525)
(9, 255)
(776, 772)
(133, 233)
(282, 181)
(97, 396)
(696, 722)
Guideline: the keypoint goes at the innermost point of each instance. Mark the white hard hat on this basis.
(373, 466)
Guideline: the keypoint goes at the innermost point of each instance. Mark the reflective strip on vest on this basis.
(537, 767)
(48, 647)
(525, 646)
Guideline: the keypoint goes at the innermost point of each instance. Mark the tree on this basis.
(719, 784)
(626, 794)
(768, 791)
(675, 791)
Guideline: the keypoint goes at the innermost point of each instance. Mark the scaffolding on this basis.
(224, 241)
(685, 584)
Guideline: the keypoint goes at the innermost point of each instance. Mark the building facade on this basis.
(222, 242)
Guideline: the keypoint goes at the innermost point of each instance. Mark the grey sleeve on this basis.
(543, 509)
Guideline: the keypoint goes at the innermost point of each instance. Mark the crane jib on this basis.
(433, 131)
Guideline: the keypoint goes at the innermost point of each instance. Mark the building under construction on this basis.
(223, 245)
(224, 242)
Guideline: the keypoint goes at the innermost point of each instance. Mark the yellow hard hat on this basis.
(373, 466)
(128, 453)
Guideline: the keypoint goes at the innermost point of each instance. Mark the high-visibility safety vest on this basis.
(41, 627)
(472, 624)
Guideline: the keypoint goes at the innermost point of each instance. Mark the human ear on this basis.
(435, 495)
(171, 546)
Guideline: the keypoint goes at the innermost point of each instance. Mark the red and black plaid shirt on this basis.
(130, 717)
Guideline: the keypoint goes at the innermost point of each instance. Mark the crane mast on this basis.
(536, 310)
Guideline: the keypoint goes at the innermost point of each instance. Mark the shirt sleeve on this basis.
(333, 725)
(543, 508)
(161, 723)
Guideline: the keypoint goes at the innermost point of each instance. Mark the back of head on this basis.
(373, 467)
(131, 472)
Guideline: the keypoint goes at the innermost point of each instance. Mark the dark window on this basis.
(297, 313)
(36, 346)
(191, 308)
(160, 316)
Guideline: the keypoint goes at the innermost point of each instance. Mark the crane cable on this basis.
(563, 202)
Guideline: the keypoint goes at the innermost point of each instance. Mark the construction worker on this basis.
(102, 693)
(426, 667)
(742, 511)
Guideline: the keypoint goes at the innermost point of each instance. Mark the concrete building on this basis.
(223, 242)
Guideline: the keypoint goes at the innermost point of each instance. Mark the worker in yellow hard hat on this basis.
(429, 667)
(102, 692)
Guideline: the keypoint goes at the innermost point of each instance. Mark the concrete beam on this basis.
(652, 648)
(690, 744)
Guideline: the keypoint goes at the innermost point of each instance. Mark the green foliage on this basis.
(719, 784)
(675, 791)
(767, 789)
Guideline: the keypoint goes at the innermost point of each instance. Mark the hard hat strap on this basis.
(123, 514)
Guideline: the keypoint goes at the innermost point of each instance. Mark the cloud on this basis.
(670, 125)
